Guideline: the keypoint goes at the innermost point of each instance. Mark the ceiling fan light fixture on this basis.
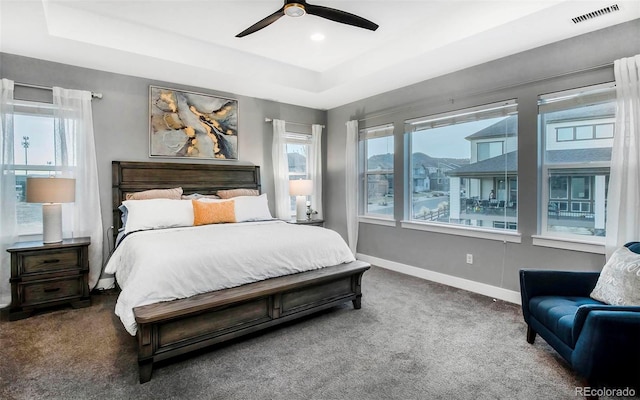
(298, 8)
(294, 10)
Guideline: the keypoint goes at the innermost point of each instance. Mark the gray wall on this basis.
(121, 117)
(524, 76)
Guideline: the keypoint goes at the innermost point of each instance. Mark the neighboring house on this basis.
(297, 164)
(493, 167)
(430, 174)
(380, 183)
(421, 181)
(577, 147)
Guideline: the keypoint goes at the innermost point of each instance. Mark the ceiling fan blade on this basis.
(340, 16)
(262, 23)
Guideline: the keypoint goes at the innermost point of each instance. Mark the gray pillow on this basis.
(231, 193)
(619, 281)
(174, 194)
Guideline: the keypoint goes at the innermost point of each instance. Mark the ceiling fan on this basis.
(298, 8)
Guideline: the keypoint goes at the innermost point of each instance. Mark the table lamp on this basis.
(301, 188)
(51, 192)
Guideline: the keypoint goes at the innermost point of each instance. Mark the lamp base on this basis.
(301, 208)
(52, 223)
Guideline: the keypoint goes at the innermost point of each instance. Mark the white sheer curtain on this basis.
(351, 184)
(623, 202)
(76, 156)
(280, 170)
(8, 225)
(315, 168)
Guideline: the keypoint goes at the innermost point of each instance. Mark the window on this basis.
(576, 129)
(34, 155)
(584, 132)
(298, 151)
(463, 167)
(377, 148)
(488, 150)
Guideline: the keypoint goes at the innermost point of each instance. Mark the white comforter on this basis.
(161, 265)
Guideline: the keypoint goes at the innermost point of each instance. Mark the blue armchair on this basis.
(600, 342)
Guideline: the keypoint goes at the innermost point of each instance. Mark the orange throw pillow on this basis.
(213, 213)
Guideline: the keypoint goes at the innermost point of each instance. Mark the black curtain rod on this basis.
(95, 95)
(292, 123)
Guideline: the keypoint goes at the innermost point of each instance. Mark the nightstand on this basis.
(312, 222)
(45, 275)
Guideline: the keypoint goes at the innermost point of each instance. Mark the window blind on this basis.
(493, 110)
(376, 132)
(301, 138)
(574, 98)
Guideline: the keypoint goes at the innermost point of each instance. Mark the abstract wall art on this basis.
(192, 125)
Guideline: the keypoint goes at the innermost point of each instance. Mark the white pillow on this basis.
(619, 281)
(157, 214)
(248, 208)
(252, 208)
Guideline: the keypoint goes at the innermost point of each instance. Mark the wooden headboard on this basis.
(130, 176)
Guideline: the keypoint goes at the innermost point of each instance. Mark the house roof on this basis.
(509, 125)
(505, 127)
(606, 110)
(508, 162)
(598, 154)
(489, 167)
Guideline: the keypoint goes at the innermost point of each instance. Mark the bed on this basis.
(166, 328)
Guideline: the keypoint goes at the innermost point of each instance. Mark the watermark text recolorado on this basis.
(587, 391)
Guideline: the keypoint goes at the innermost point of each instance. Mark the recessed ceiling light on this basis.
(317, 37)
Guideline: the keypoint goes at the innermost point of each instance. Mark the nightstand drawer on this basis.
(49, 261)
(50, 290)
(48, 274)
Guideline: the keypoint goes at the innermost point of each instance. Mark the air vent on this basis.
(594, 14)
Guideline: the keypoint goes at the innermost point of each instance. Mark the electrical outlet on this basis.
(469, 258)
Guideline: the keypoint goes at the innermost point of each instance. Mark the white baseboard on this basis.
(106, 283)
(449, 280)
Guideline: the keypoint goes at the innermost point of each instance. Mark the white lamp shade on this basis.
(301, 187)
(51, 190)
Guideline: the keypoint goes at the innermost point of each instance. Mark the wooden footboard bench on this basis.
(172, 328)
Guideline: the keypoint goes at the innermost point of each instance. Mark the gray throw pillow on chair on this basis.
(619, 281)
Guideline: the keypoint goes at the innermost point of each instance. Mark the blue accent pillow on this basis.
(125, 213)
(633, 246)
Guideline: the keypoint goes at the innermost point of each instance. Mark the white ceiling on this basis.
(193, 42)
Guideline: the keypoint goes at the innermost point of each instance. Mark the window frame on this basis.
(595, 170)
(489, 143)
(503, 108)
(296, 138)
(24, 108)
(364, 136)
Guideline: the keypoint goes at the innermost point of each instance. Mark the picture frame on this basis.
(184, 124)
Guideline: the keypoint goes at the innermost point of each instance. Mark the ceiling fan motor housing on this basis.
(294, 9)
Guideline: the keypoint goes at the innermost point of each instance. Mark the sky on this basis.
(39, 129)
(443, 142)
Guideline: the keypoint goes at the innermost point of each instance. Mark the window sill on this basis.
(568, 244)
(377, 220)
(512, 237)
(29, 237)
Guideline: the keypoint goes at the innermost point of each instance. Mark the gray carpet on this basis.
(412, 339)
